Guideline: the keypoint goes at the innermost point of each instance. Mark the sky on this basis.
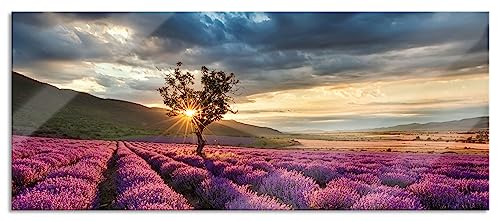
(297, 71)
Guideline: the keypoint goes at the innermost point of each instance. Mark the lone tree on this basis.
(200, 107)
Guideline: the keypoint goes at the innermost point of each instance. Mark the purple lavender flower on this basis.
(221, 193)
(168, 167)
(244, 175)
(384, 201)
(83, 171)
(155, 196)
(26, 171)
(435, 195)
(216, 167)
(459, 173)
(365, 177)
(188, 177)
(261, 165)
(334, 197)
(216, 192)
(192, 160)
(396, 179)
(471, 185)
(57, 194)
(290, 187)
(289, 165)
(52, 159)
(251, 201)
(359, 186)
(321, 173)
(475, 200)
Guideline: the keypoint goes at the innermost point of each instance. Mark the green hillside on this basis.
(44, 110)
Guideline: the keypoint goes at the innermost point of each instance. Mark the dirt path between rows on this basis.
(107, 188)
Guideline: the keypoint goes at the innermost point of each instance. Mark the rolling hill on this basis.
(44, 110)
(469, 124)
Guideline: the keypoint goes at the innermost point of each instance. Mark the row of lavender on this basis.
(139, 187)
(34, 158)
(205, 188)
(327, 180)
(57, 173)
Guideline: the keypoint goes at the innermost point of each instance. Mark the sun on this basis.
(189, 112)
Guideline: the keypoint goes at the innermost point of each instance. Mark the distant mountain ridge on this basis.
(468, 124)
(42, 109)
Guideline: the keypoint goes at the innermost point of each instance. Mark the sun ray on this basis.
(173, 125)
(186, 124)
(181, 126)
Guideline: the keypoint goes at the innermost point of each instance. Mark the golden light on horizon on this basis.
(398, 98)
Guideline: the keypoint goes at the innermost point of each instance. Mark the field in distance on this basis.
(415, 142)
(417, 138)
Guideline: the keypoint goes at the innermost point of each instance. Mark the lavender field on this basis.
(64, 174)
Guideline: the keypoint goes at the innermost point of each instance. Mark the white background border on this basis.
(247, 5)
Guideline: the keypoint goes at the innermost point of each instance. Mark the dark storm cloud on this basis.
(274, 60)
(34, 19)
(51, 19)
(331, 44)
(32, 44)
(197, 29)
(269, 51)
(356, 32)
(343, 63)
(483, 43)
(89, 16)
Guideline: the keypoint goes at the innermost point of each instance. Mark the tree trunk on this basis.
(201, 143)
